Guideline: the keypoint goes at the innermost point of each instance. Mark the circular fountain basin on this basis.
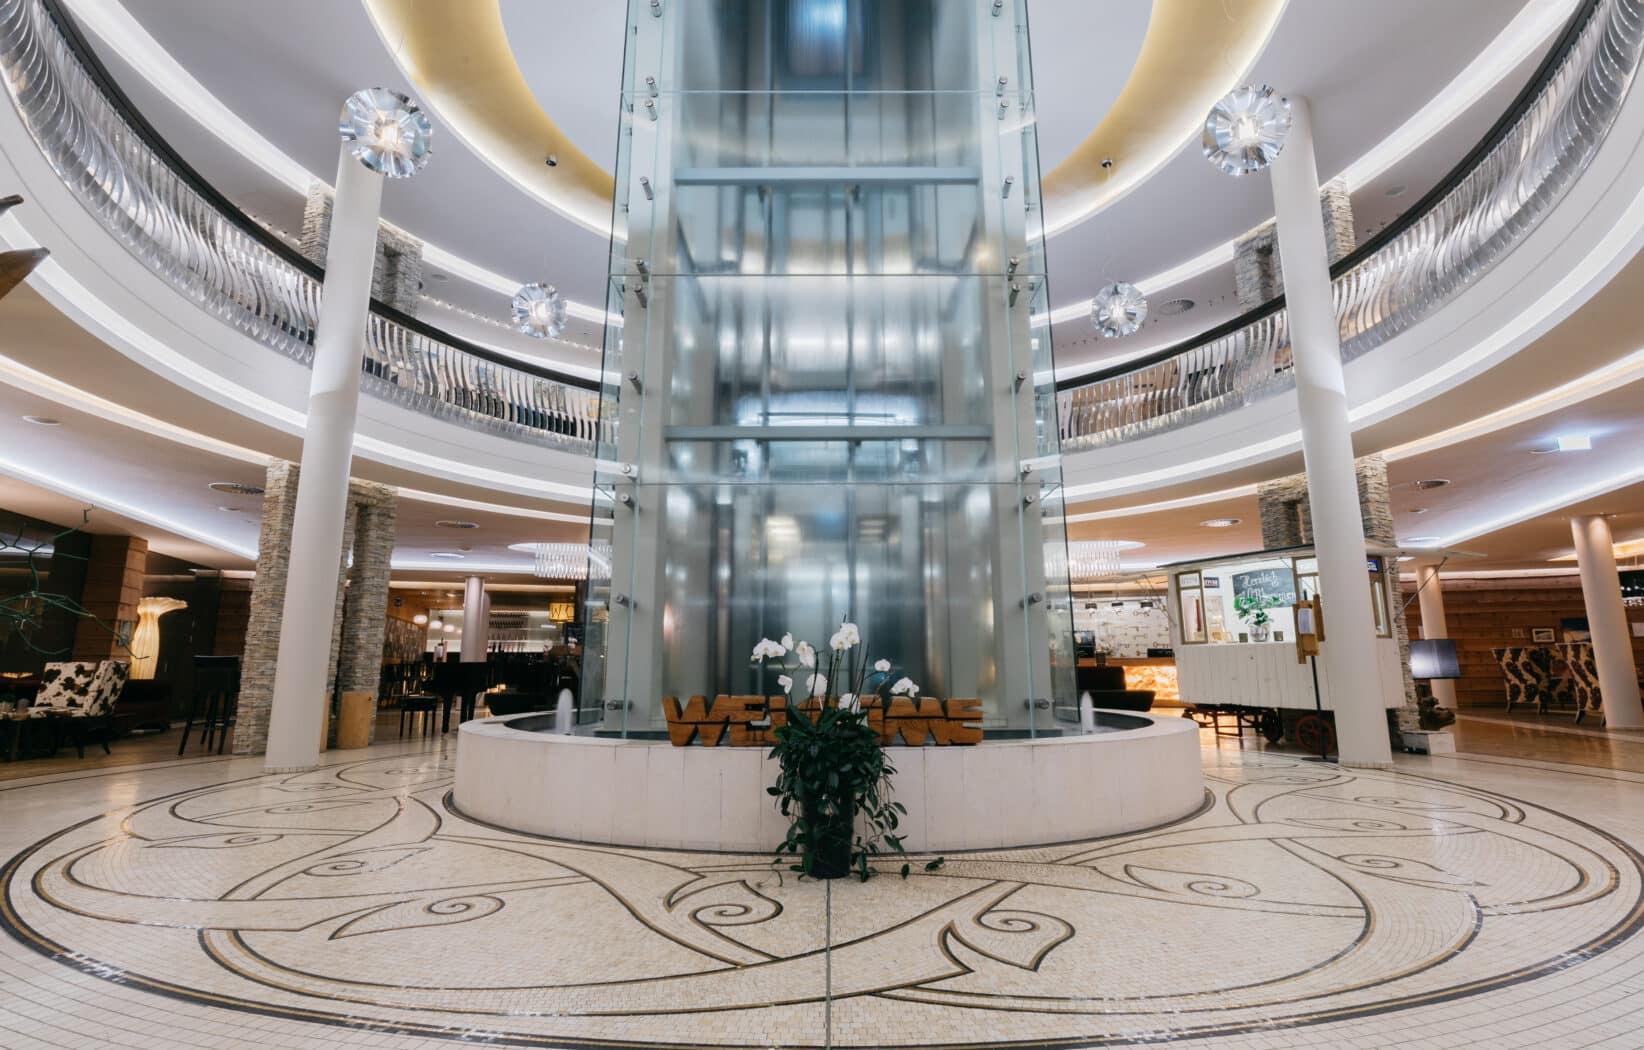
(1135, 772)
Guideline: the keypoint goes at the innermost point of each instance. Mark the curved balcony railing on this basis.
(183, 230)
(1445, 242)
(203, 245)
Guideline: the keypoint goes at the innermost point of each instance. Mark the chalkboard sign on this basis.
(1266, 583)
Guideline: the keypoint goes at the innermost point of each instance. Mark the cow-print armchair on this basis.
(81, 695)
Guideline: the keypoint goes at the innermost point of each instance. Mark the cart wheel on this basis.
(1271, 725)
(1315, 736)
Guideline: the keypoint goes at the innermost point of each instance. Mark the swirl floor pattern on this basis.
(1447, 903)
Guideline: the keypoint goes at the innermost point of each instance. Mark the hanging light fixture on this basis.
(1118, 310)
(1096, 559)
(539, 311)
(435, 624)
(567, 561)
(1246, 129)
(420, 619)
(386, 131)
(449, 628)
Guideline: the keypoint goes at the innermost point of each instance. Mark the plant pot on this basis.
(1258, 632)
(830, 847)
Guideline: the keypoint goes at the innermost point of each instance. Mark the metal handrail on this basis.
(1456, 233)
(183, 230)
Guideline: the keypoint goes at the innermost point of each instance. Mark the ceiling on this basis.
(287, 85)
(1368, 68)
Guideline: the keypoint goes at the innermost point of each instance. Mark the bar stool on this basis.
(419, 703)
(217, 682)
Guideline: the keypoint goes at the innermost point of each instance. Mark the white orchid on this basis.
(846, 637)
(787, 641)
(766, 648)
(785, 682)
(882, 666)
(819, 685)
(807, 655)
(904, 687)
(849, 702)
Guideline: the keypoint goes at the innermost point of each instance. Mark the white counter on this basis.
(1266, 674)
(992, 795)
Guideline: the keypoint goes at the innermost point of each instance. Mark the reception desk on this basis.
(1157, 673)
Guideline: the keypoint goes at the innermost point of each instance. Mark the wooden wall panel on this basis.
(1484, 614)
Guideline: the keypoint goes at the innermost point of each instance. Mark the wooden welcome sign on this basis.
(750, 721)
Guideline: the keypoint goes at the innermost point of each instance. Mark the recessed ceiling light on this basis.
(1432, 483)
(1172, 307)
(453, 524)
(439, 277)
(43, 421)
(1421, 541)
(1574, 442)
(230, 510)
(236, 488)
(1396, 190)
(451, 555)
(1417, 510)
(1221, 523)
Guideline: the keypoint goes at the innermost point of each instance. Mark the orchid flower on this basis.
(785, 682)
(766, 648)
(807, 655)
(819, 685)
(904, 687)
(882, 666)
(846, 637)
(849, 702)
(787, 641)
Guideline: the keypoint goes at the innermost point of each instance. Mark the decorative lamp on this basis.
(387, 132)
(1118, 310)
(539, 311)
(1246, 129)
(420, 619)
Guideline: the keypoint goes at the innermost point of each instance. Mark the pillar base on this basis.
(1351, 764)
(291, 769)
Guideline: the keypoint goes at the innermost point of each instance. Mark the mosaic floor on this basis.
(1454, 902)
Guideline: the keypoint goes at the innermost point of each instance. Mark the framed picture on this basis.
(1541, 635)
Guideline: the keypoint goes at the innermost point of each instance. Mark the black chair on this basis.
(217, 689)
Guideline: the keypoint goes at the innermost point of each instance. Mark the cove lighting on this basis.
(1221, 523)
(1422, 541)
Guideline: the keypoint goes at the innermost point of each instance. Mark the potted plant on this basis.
(835, 774)
(1252, 609)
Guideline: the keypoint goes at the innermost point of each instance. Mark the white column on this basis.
(1433, 625)
(1348, 654)
(298, 709)
(475, 626)
(1607, 620)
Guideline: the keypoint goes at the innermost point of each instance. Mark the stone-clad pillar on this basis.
(1258, 273)
(364, 621)
(396, 278)
(262, 633)
(354, 659)
(1287, 522)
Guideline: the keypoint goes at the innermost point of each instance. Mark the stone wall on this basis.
(357, 622)
(396, 279)
(1258, 273)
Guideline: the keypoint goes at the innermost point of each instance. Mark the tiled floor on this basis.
(1482, 899)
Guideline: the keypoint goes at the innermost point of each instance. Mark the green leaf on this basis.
(935, 865)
